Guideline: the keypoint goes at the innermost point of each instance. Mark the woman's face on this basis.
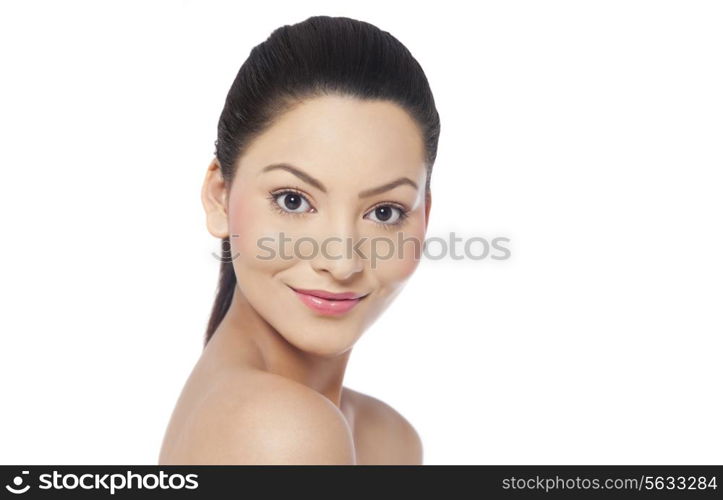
(307, 210)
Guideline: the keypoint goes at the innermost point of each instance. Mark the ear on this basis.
(427, 208)
(214, 197)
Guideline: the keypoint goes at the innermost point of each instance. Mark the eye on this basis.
(291, 202)
(388, 215)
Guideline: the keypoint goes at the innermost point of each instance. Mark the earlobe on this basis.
(214, 197)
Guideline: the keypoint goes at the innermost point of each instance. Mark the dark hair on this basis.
(319, 56)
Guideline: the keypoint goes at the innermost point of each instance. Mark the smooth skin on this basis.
(268, 387)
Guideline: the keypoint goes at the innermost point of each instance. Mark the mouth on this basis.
(329, 303)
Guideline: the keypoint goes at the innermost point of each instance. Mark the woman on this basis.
(320, 192)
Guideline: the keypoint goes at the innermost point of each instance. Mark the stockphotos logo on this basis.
(17, 486)
(105, 482)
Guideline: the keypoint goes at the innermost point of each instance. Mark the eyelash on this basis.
(403, 213)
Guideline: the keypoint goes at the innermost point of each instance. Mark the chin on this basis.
(328, 342)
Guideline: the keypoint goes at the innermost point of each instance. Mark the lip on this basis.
(323, 294)
(328, 303)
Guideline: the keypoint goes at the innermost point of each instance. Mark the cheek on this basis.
(407, 249)
(247, 222)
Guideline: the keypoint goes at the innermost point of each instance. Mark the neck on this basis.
(245, 339)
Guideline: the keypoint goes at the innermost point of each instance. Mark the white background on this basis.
(589, 133)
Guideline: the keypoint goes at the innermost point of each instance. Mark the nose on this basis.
(338, 254)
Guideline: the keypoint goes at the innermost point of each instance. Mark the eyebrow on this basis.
(310, 180)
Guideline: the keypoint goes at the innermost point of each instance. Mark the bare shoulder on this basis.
(262, 418)
(396, 439)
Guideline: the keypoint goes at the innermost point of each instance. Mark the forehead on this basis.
(340, 138)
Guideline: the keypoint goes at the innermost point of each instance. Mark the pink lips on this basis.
(327, 303)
